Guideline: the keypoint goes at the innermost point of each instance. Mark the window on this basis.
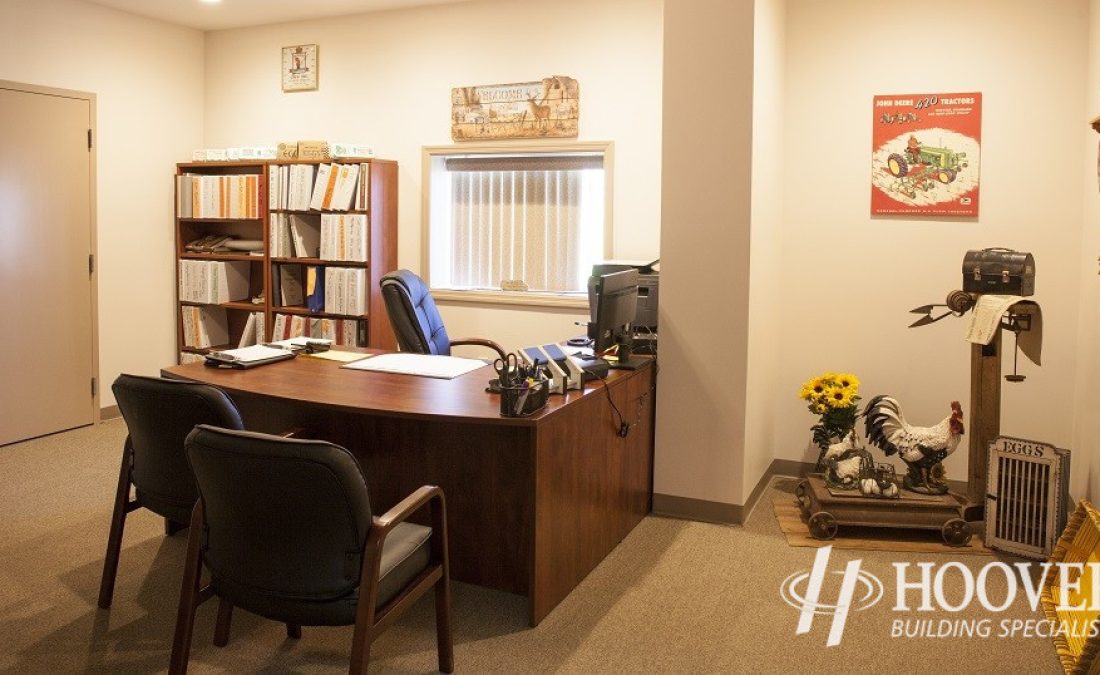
(528, 220)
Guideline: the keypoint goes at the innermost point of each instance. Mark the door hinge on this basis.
(89, 139)
(91, 264)
(93, 387)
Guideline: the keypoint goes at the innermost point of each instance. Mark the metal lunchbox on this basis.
(999, 270)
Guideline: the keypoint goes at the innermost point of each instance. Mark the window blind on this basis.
(517, 224)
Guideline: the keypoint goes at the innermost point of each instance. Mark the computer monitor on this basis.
(616, 306)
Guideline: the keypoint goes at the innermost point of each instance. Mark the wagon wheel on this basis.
(956, 532)
(897, 165)
(946, 175)
(800, 495)
(823, 525)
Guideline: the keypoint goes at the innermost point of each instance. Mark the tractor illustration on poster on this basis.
(922, 167)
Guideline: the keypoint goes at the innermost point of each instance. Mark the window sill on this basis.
(524, 298)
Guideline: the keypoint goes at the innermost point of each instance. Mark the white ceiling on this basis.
(240, 13)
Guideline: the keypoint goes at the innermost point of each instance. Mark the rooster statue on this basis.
(921, 448)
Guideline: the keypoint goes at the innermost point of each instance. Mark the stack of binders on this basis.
(213, 281)
(204, 326)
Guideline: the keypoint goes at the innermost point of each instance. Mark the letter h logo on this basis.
(802, 591)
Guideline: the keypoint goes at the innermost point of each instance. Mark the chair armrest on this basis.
(408, 506)
(480, 342)
(297, 432)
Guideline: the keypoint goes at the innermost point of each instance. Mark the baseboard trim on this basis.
(109, 413)
(702, 510)
(705, 511)
(778, 467)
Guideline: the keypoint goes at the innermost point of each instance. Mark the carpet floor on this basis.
(674, 596)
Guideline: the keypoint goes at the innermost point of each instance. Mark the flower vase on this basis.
(842, 462)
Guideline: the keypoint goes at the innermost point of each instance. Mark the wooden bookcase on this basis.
(263, 268)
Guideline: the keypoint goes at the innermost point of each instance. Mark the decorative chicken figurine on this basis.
(921, 448)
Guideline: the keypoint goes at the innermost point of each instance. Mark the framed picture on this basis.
(925, 155)
(299, 68)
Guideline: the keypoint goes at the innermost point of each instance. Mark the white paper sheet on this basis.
(986, 317)
(425, 365)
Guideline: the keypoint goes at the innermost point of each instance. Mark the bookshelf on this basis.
(244, 200)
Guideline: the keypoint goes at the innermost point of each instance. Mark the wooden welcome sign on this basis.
(545, 109)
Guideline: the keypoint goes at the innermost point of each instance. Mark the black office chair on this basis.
(285, 529)
(159, 414)
(416, 320)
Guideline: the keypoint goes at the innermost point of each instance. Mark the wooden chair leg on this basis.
(118, 524)
(360, 650)
(171, 527)
(444, 638)
(364, 633)
(189, 597)
(444, 634)
(294, 631)
(225, 618)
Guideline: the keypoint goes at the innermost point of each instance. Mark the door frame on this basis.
(93, 239)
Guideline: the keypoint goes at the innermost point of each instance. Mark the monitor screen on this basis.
(615, 308)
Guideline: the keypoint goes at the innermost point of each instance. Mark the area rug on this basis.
(794, 527)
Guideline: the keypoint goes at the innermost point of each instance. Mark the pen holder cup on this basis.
(524, 401)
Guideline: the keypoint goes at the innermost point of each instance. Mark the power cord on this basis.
(624, 428)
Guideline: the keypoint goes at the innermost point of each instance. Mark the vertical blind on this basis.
(518, 220)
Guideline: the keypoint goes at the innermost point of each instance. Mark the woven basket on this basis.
(1079, 543)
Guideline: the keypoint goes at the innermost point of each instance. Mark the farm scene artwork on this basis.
(545, 109)
(925, 154)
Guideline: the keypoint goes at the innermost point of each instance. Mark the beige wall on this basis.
(147, 78)
(1086, 435)
(765, 266)
(706, 192)
(850, 279)
(385, 79)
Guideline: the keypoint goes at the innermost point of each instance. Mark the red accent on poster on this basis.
(925, 154)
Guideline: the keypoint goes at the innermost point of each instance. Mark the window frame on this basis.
(577, 300)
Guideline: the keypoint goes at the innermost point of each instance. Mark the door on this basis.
(46, 287)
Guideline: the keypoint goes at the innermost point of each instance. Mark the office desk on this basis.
(533, 504)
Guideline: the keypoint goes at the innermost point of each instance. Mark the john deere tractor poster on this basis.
(925, 154)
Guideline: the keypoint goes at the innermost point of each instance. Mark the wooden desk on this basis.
(533, 504)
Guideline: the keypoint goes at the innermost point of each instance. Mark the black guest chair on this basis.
(159, 414)
(416, 320)
(285, 529)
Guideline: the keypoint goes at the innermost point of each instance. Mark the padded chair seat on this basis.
(405, 554)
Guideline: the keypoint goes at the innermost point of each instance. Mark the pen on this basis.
(521, 399)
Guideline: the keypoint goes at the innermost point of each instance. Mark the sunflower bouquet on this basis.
(835, 397)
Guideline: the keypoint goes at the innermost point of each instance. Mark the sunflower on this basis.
(847, 381)
(820, 408)
(815, 387)
(839, 397)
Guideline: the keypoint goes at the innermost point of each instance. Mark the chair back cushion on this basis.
(413, 314)
(159, 414)
(285, 518)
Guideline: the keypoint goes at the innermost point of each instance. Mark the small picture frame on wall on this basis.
(299, 68)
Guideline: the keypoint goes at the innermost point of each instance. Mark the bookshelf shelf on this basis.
(319, 262)
(239, 318)
(238, 257)
(299, 310)
(221, 220)
(314, 212)
(243, 305)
